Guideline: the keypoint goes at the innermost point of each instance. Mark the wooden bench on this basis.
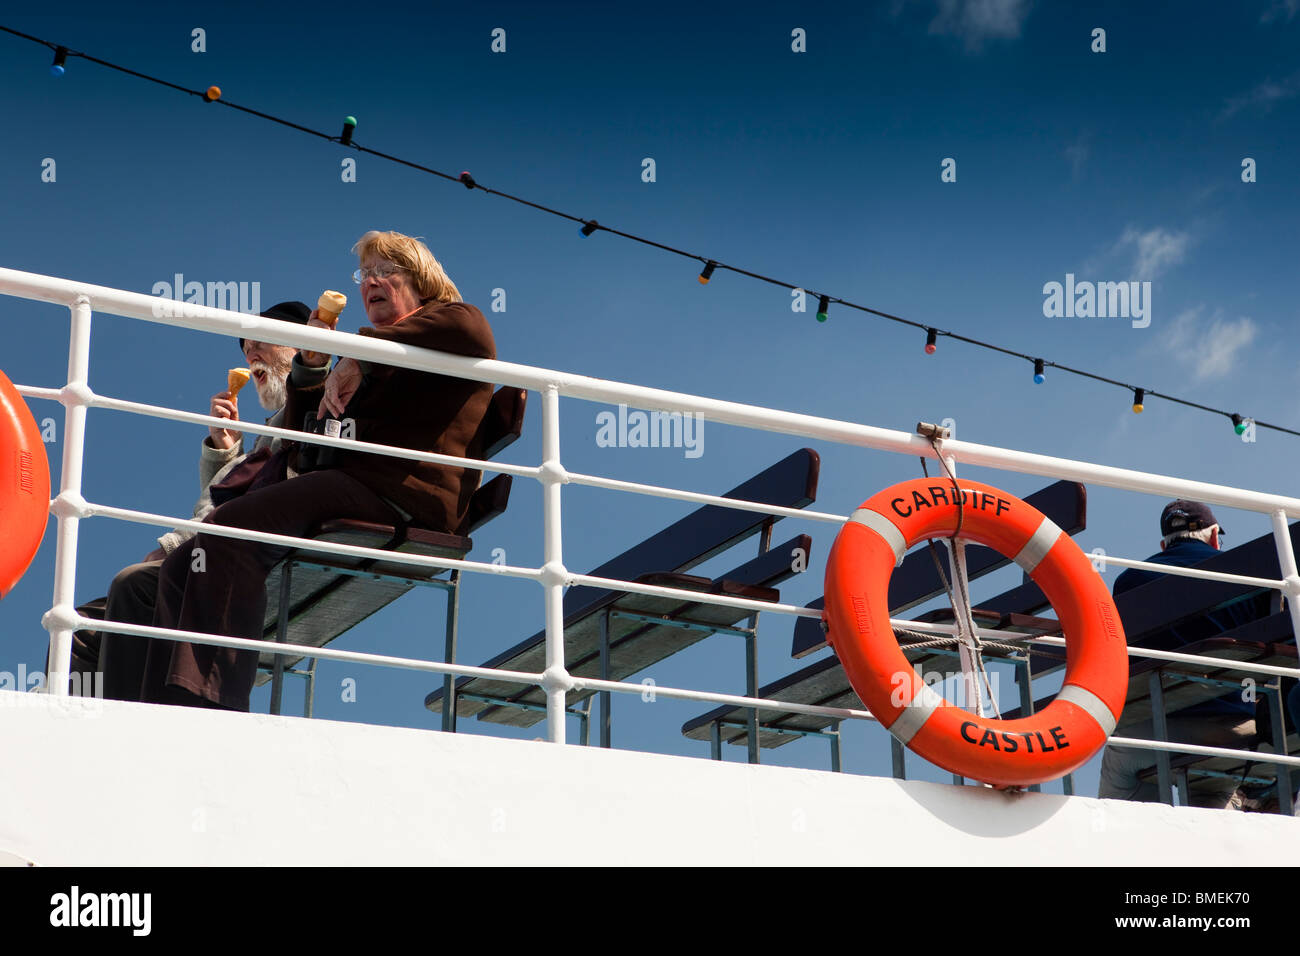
(824, 682)
(606, 631)
(313, 597)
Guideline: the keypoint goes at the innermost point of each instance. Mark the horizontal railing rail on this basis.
(70, 507)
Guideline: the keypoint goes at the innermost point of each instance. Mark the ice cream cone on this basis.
(329, 306)
(236, 379)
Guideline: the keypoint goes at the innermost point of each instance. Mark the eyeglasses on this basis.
(381, 271)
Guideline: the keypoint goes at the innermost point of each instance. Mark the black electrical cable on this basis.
(717, 264)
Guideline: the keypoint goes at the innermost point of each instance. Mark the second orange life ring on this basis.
(1007, 753)
(24, 486)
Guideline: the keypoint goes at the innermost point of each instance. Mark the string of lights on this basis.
(589, 227)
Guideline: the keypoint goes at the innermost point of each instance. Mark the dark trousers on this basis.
(217, 585)
(131, 599)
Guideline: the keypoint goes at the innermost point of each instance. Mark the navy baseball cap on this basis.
(298, 312)
(1183, 515)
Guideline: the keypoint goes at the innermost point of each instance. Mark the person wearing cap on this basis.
(132, 594)
(1190, 535)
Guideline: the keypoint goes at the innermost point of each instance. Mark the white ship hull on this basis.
(90, 783)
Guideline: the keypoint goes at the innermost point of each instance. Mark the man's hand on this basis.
(224, 406)
(314, 359)
(339, 388)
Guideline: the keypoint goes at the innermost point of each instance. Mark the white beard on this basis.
(272, 395)
(271, 392)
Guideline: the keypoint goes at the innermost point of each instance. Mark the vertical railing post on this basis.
(556, 681)
(68, 505)
(1290, 575)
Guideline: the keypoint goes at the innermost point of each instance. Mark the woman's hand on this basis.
(315, 359)
(224, 405)
(339, 388)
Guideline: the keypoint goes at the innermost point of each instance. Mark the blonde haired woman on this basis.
(408, 299)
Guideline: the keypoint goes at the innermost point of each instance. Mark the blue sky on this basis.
(820, 168)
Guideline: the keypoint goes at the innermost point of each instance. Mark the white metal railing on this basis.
(69, 506)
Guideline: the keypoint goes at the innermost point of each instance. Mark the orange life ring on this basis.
(1007, 753)
(24, 486)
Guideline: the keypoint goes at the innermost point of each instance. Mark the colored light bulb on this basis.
(931, 345)
(1039, 377)
(823, 308)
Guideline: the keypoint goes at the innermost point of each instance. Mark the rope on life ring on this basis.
(1006, 753)
(24, 486)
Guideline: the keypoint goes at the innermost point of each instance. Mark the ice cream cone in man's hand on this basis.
(226, 405)
(236, 379)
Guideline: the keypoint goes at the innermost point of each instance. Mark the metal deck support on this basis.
(1161, 728)
(715, 740)
(281, 636)
(605, 696)
(835, 747)
(1184, 792)
(1284, 791)
(1025, 682)
(309, 702)
(751, 655)
(899, 755)
(751, 690)
(449, 655)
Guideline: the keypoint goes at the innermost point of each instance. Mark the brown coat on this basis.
(418, 410)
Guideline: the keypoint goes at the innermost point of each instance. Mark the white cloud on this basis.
(1281, 10)
(1155, 250)
(1210, 347)
(978, 20)
(1264, 96)
(1077, 154)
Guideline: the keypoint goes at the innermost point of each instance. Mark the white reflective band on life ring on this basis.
(1095, 707)
(1039, 543)
(915, 714)
(885, 528)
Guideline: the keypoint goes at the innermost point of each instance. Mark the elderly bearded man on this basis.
(408, 299)
(131, 595)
